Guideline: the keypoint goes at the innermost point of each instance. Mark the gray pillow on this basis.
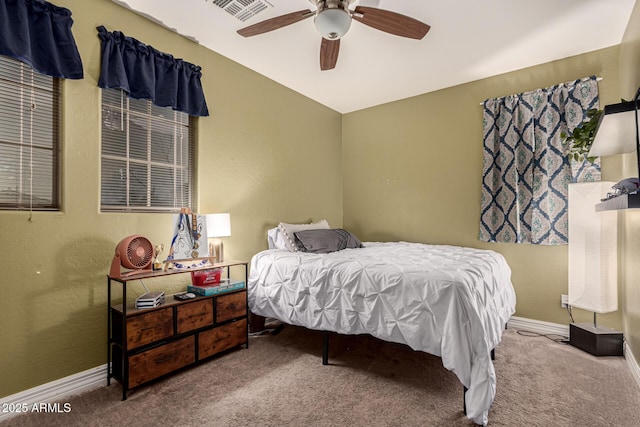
(325, 241)
(288, 231)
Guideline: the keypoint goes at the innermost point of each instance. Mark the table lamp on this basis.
(218, 225)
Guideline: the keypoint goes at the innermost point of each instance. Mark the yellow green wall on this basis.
(629, 84)
(253, 161)
(412, 171)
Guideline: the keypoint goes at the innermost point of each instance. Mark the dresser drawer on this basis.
(161, 360)
(222, 338)
(149, 327)
(195, 315)
(231, 306)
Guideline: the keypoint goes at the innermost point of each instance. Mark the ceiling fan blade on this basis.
(391, 22)
(329, 50)
(275, 23)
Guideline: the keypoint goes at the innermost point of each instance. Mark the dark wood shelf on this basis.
(147, 274)
(168, 302)
(624, 201)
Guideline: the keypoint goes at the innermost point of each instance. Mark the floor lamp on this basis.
(593, 267)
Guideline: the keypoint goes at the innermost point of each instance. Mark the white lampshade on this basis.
(333, 23)
(219, 225)
(616, 131)
(593, 261)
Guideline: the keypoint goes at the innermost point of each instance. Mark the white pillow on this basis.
(287, 231)
(276, 239)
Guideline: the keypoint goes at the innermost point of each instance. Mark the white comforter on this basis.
(449, 301)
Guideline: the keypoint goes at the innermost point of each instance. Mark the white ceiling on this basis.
(468, 40)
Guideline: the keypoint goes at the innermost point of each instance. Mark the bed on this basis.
(449, 301)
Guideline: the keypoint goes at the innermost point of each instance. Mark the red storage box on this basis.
(206, 277)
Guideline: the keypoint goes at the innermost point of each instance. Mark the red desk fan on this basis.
(135, 253)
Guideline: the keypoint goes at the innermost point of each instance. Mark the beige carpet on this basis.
(280, 381)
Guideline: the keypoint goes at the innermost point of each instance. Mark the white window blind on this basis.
(147, 156)
(29, 138)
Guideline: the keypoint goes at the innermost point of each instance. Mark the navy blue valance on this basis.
(39, 33)
(146, 73)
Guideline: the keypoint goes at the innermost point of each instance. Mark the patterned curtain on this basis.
(526, 169)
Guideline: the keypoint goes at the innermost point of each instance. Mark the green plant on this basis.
(581, 138)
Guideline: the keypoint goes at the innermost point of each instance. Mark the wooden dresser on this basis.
(145, 344)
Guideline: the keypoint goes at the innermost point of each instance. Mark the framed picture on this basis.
(189, 243)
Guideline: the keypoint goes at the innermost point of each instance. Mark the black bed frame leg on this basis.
(325, 348)
(464, 400)
(493, 354)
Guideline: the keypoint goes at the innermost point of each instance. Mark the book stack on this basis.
(225, 285)
(150, 300)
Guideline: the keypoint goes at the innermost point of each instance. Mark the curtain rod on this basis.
(598, 78)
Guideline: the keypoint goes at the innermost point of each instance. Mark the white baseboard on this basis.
(54, 391)
(633, 363)
(538, 326)
(90, 379)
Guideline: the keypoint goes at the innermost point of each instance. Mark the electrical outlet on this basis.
(564, 301)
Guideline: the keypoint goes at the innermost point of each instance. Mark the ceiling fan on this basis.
(333, 18)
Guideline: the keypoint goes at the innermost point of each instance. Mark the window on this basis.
(29, 138)
(148, 160)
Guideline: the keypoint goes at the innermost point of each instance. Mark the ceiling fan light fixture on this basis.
(333, 18)
(333, 23)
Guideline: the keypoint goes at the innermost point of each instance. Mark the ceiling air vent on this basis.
(243, 9)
